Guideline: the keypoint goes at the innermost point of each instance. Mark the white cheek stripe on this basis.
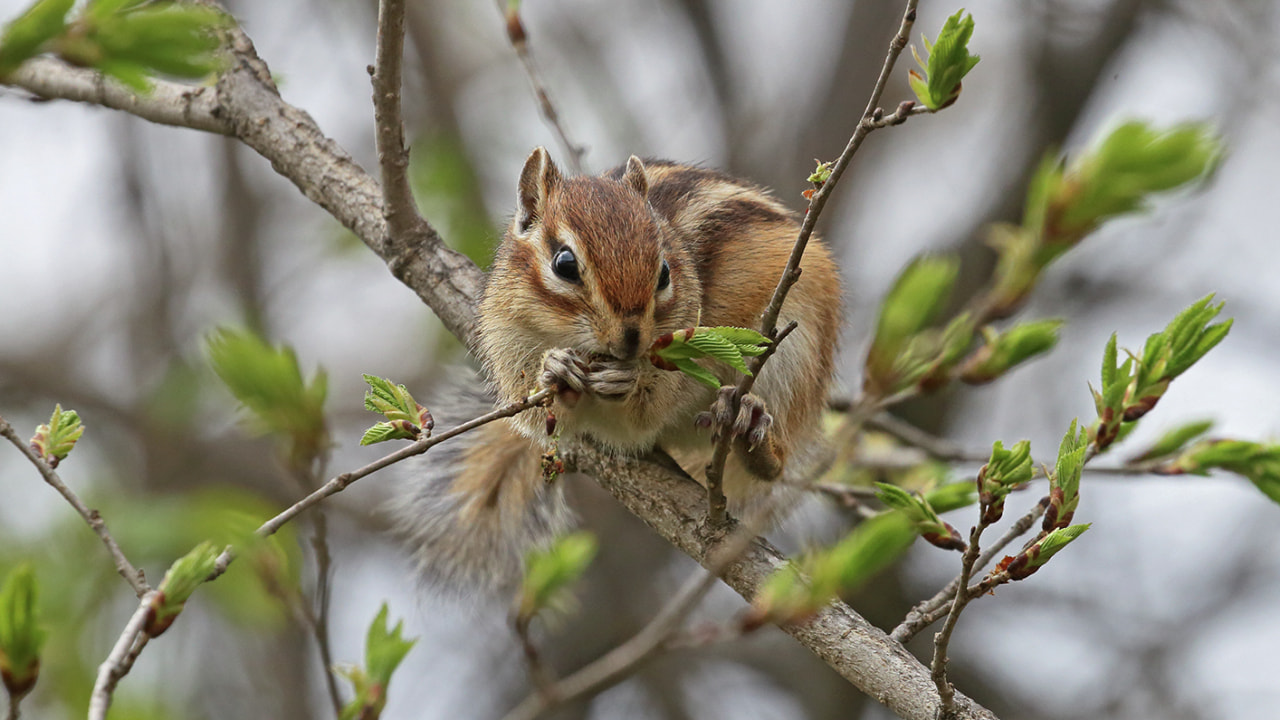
(550, 280)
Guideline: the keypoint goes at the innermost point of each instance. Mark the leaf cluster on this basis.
(949, 61)
(1130, 389)
(1066, 201)
(1064, 481)
(406, 419)
(269, 382)
(1002, 351)
(1004, 471)
(384, 650)
(1259, 462)
(130, 40)
(56, 439)
(916, 508)
(730, 345)
(549, 574)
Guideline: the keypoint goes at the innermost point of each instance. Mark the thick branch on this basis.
(672, 504)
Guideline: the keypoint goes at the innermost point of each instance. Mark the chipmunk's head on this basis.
(605, 275)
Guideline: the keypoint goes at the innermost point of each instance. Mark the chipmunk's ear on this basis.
(635, 177)
(539, 177)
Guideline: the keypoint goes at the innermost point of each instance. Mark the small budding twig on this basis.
(574, 152)
(131, 574)
(872, 119)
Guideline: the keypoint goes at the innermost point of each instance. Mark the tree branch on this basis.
(672, 503)
(130, 643)
(131, 574)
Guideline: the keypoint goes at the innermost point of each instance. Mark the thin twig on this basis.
(620, 662)
(341, 482)
(544, 680)
(520, 43)
(716, 502)
(14, 700)
(131, 574)
(938, 668)
(908, 434)
(130, 643)
(319, 617)
(930, 611)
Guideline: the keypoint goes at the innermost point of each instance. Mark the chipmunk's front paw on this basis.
(566, 372)
(612, 379)
(751, 424)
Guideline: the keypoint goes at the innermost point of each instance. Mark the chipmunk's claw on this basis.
(750, 425)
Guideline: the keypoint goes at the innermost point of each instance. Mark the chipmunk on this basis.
(590, 271)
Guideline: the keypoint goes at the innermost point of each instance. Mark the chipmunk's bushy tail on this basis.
(472, 507)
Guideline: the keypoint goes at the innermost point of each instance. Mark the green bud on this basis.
(383, 652)
(821, 174)
(1258, 462)
(182, 579)
(1034, 557)
(914, 301)
(1174, 440)
(949, 61)
(1064, 483)
(925, 519)
(549, 574)
(406, 419)
(21, 637)
(1006, 470)
(54, 441)
(1005, 350)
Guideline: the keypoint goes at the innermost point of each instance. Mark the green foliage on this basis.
(54, 441)
(949, 61)
(729, 345)
(26, 35)
(447, 189)
(1174, 440)
(180, 580)
(1064, 481)
(383, 652)
(21, 635)
(916, 508)
(269, 382)
(1005, 350)
(1131, 389)
(902, 352)
(1004, 471)
(789, 596)
(549, 573)
(821, 174)
(1067, 201)
(406, 419)
(1034, 557)
(1259, 462)
(131, 40)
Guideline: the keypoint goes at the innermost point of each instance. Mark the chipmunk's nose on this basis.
(630, 342)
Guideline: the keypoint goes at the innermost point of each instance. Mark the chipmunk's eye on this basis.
(664, 277)
(564, 264)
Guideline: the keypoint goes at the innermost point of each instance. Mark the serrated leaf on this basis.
(949, 61)
(55, 440)
(717, 347)
(383, 432)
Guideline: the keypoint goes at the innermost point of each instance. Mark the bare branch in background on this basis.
(520, 43)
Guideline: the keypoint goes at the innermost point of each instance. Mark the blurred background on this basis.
(123, 244)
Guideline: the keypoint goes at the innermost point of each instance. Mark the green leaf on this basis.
(180, 581)
(697, 372)
(677, 350)
(406, 419)
(1006, 350)
(549, 574)
(21, 636)
(1258, 462)
(269, 383)
(1004, 471)
(383, 653)
(788, 596)
(1037, 555)
(1064, 482)
(914, 301)
(916, 508)
(26, 35)
(821, 174)
(1174, 440)
(54, 441)
(949, 61)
